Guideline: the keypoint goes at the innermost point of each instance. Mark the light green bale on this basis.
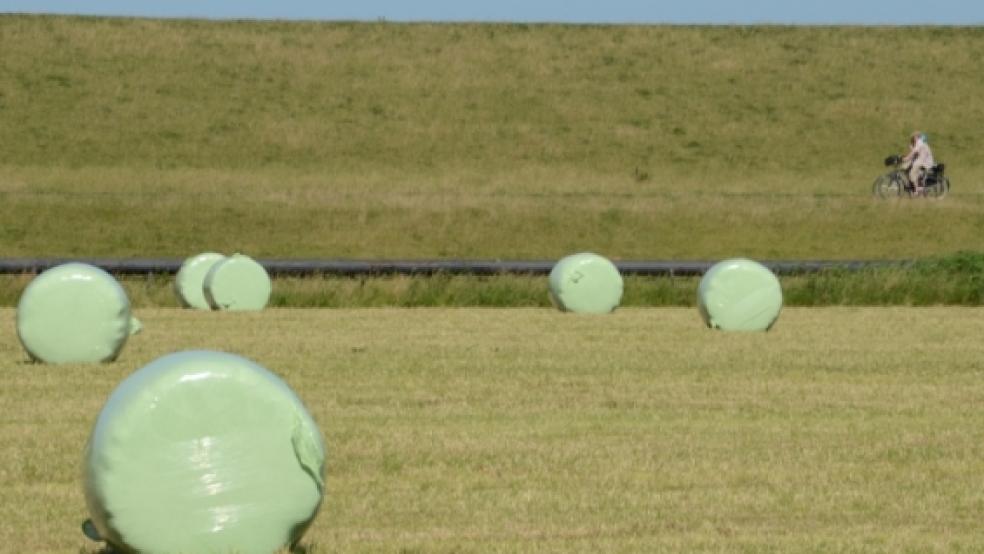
(237, 283)
(586, 283)
(74, 313)
(203, 452)
(189, 283)
(739, 295)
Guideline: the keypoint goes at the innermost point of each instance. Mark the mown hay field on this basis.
(529, 430)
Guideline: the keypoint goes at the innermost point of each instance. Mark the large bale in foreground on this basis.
(739, 295)
(74, 313)
(586, 283)
(237, 283)
(203, 452)
(189, 283)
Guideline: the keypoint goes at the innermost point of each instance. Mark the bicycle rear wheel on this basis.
(940, 188)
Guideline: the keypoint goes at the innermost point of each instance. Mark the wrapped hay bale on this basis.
(203, 452)
(586, 283)
(189, 283)
(74, 313)
(739, 295)
(237, 283)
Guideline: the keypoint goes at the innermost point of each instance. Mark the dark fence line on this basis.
(140, 266)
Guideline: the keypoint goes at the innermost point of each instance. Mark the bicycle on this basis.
(896, 183)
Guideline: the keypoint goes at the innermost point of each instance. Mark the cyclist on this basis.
(918, 160)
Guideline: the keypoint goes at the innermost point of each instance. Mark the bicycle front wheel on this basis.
(887, 186)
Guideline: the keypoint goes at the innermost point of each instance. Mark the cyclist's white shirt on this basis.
(920, 155)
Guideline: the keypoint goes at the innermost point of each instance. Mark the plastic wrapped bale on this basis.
(739, 295)
(189, 283)
(203, 452)
(74, 313)
(237, 283)
(586, 283)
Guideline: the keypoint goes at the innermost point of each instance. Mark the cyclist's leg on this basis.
(915, 178)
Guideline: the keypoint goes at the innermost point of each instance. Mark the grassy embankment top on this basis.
(125, 137)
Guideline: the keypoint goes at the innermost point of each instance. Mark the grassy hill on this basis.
(132, 137)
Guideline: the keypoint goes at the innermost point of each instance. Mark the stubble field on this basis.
(528, 430)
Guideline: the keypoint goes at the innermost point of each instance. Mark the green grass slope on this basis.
(128, 137)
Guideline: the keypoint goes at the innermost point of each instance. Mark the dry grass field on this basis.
(528, 430)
